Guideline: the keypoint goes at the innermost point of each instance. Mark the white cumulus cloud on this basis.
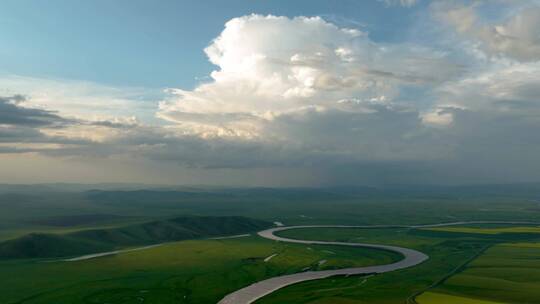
(271, 66)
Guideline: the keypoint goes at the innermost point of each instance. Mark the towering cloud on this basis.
(274, 71)
(306, 93)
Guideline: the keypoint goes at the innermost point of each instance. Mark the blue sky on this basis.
(273, 93)
(154, 44)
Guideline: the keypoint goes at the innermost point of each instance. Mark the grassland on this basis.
(506, 273)
(389, 288)
(200, 271)
(448, 264)
(440, 298)
(43, 245)
(487, 230)
(41, 211)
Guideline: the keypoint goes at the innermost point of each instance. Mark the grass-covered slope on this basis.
(48, 245)
(42, 245)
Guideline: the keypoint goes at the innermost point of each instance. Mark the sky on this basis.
(270, 93)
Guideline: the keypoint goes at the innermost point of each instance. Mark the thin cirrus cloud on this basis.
(515, 36)
(405, 3)
(305, 93)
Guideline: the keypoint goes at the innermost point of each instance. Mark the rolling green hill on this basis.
(45, 245)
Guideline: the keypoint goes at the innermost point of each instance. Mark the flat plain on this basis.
(467, 262)
(198, 271)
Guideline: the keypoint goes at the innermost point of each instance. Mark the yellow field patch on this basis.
(524, 245)
(441, 298)
(487, 230)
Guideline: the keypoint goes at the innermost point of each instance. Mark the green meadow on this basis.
(484, 263)
(488, 230)
(394, 287)
(458, 263)
(440, 298)
(505, 273)
(198, 271)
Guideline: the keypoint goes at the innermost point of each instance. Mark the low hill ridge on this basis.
(46, 245)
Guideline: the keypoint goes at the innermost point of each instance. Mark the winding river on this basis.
(411, 258)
